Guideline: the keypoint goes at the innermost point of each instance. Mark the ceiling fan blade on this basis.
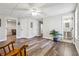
(21, 9)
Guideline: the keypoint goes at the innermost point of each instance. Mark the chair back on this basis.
(23, 51)
(9, 46)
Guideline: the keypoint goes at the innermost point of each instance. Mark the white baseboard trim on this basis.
(3, 40)
(66, 41)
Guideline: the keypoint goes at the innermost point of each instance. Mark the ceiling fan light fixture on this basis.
(35, 11)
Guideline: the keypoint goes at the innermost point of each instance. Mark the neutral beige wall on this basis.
(25, 30)
(51, 23)
(77, 28)
(54, 22)
(3, 29)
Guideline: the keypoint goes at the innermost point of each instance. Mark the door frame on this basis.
(7, 25)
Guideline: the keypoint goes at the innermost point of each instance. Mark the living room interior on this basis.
(39, 29)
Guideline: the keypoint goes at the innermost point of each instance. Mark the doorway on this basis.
(41, 28)
(11, 29)
(68, 29)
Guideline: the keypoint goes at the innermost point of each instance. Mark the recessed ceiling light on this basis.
(35, 11)
(10, 20)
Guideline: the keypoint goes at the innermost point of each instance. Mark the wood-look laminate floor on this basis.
(45, 47)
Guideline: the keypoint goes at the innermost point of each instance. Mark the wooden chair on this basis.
(11, 50)
(22, 51)
(0, 54)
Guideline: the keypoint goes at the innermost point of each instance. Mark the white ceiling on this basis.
(23, 9)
